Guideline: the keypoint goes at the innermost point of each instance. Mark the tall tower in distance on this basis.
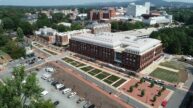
(147, 5)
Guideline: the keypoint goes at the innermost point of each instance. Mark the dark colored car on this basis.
(54, 83)
(92, 106)
(62, 88)
(56, 103)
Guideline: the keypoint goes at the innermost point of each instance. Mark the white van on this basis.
(49, 69)
(67, 90)
(46, 76)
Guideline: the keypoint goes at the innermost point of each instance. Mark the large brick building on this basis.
(101, 14)
(130, 52)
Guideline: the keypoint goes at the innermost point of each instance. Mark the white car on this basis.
(49, 69)
(44, 93)
(46, 76)
(67, 90)
(72, 94)
(58, 86)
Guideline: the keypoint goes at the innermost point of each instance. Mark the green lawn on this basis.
(113, 78)
(102, 75)
(68, 60)
(51, 52)
(108, 81)
(95, 71)
(118, 83)
(80, 65)
(166, 75)
(86, 69)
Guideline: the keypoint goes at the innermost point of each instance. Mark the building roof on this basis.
(119, 42)
(74, 32)
(139, 32)
(98, 25)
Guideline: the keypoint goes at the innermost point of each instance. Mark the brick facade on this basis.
(129, 61)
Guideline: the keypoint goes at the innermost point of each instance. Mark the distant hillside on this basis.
(153, 2)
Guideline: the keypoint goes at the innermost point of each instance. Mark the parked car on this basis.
(56, 103)
(49, 69)
(54, 83)
(80, 100)
(58, 86)
(67, 90)
(44, 93)
(71, 94)
(62, 88)
(87, 105)
(46, 76)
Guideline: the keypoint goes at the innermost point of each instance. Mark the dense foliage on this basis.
(15, 93)
(176, 40)
(182, 15)
(124, 26)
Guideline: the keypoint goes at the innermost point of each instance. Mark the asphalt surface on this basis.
(56, 95)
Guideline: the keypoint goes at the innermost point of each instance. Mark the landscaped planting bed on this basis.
(95, 71)
(102, 75)
(108, 81)
(113, 78)
(86, 69)
(118, 83)
(68, 60)
(51, 52)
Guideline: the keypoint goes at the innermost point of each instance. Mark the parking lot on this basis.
(56, 95)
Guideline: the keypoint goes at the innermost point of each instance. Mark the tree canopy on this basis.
(124, 26)
(176, 40)
(15, 93)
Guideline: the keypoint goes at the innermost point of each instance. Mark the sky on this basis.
(60, 2)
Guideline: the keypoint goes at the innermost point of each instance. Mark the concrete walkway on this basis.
(167, 68)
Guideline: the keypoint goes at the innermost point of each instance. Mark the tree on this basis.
(26, 27)
(152, 84)
(20, 35)
(76, 26)
(154, 98)
(13, 49)
(142, 93)
(57, 17)
(136, 84)
(131, 89)
(163, 88)
(14, 93)
(159, 93)
(142, 80)
(8, 23)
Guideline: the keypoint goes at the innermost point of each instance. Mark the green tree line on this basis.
(176, 40)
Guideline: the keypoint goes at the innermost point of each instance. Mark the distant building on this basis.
(99, 27)
(63, 38)
(138, 10)
(101, 14)
(31, 18)
(82, 16)
(157, 18)
(47, 33)
(130, 52)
